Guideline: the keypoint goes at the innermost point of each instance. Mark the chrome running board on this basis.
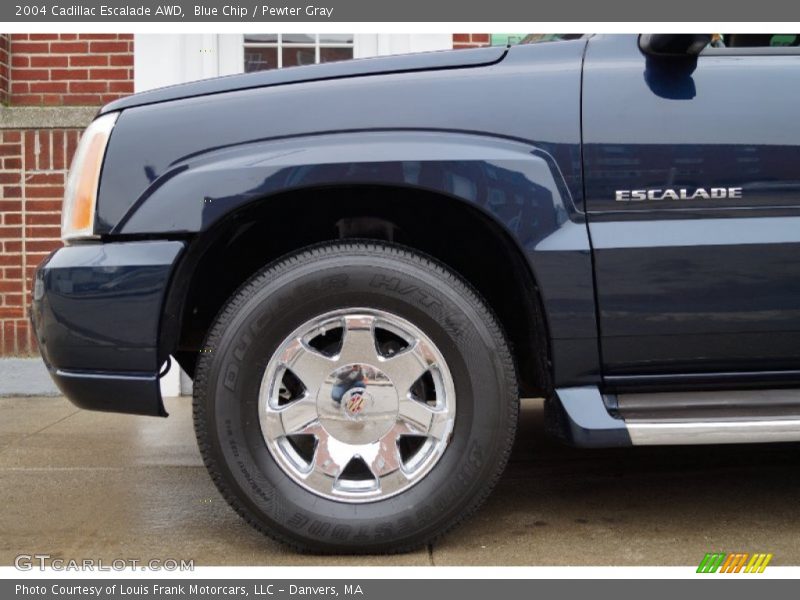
(588, 418)
(652, 433)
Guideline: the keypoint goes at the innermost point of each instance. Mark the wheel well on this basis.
(220, 260)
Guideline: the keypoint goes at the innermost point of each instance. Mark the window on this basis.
(753, 44)
(759, 40)
(507, 39)
(276, 50)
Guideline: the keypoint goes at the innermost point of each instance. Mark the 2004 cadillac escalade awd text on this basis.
(364, 265)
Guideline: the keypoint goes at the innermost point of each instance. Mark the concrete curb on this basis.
(25, 377)
(29, 377)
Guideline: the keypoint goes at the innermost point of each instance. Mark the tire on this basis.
(279, 483)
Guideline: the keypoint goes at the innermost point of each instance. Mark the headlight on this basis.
(80, 193)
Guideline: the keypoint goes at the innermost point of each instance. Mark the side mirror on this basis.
(673, 44)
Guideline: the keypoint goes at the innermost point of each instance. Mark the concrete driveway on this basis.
(76, 484)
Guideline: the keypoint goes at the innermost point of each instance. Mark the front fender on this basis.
(516, 184)
(504, 178)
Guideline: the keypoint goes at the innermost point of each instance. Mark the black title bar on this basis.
(440, 11)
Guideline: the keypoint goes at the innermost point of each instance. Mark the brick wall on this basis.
(470, 40)
(44, 74)
(34, 167)
(63, 69)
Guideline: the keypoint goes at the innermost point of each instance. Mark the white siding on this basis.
(167, 59)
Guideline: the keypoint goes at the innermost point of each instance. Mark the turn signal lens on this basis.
(80, 193)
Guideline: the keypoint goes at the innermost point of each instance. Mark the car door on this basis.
(692, 175)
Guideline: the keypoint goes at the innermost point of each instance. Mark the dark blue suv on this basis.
(364, 265)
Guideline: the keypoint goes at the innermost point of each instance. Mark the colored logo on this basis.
(737, 562)
(356, 401)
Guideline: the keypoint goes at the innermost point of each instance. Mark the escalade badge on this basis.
(717, 193)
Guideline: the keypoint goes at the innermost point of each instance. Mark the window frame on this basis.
(279, 45)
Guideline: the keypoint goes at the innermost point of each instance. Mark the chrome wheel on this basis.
(357, 405)
(332, 426)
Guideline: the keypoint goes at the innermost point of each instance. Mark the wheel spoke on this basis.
(391, 482)
(299, 416)
(384, 461)
(330, 459)
(333, 454)
(296, 418)
(416, 415)
(421, 419)
(441, 426)
(310, 366)
(383, 456)
(406, 368)
(358, 341)
(271, 425)
(319, 479)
